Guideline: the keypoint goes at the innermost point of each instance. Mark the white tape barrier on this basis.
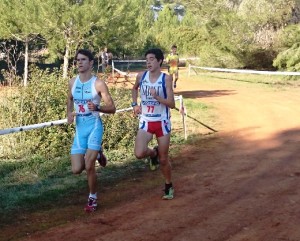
(121, 72)
(178, 97)
(53, 123)
(144, 61)
(244, 71)
(124, 73)
(45, 124)
(30, 127)
(137, 61)
(130, 61)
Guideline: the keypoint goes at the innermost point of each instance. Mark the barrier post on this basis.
(113, 70)
(182, 111)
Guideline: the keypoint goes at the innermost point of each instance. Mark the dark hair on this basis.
(159, 55)
(86, 53)
(174, 46)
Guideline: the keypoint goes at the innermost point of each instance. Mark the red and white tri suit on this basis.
(155, 117)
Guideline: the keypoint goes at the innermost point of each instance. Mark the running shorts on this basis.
(159, 128)
(89, 133)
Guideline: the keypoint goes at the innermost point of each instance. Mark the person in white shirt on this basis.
(157, 97)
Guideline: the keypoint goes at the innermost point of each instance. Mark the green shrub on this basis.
(120, 128)
(44, 100)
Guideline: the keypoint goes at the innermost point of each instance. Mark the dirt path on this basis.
(241, 184)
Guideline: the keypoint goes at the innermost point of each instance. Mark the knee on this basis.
(90, 168)
(164, 161)
(76, 170)
(140, 154)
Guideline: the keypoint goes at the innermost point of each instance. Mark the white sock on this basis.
(93, 195)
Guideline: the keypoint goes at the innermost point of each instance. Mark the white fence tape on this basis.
(144, 61)
(244, 71)
(123, 73)
(31, 127)
(63, 121)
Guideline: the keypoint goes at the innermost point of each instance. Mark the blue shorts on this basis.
(89, 133)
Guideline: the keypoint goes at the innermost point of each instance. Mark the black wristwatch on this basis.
(133, 104)
(97, 108)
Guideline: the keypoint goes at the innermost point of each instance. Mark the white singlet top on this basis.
(152, 109)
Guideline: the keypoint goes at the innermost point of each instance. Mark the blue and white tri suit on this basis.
(89, 128)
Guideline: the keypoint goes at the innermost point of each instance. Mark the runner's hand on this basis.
(137, 110)
(153, 92)
(91, 106)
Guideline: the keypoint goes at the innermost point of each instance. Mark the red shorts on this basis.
(159, 128)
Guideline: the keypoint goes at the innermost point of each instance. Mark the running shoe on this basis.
(101, 158)
(169, 194)
(154, 161)
(91, 205)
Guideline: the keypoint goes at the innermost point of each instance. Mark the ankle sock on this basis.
(93, 195)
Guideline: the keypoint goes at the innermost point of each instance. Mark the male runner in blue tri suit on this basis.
(157, 97)
(85, 93)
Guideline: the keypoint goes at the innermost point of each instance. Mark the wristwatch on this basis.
(133, 104)
(97, 108)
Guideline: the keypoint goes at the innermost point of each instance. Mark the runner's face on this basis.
(152, 63)
(83, 63)
(174, 50)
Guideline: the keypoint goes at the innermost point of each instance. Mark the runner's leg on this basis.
(141, 149)
(77, 162)
(90, 158)
(163, 150)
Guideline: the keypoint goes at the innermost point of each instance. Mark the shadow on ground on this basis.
(204, 93)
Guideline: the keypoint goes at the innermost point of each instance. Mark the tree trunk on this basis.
(66, 60)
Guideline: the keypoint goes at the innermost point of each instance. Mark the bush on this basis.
(44, 100)
(120, 128)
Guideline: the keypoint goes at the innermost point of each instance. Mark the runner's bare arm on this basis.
(134, 94)
(135, 87)
(70, 102)
(109, 105)
(167, 60)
